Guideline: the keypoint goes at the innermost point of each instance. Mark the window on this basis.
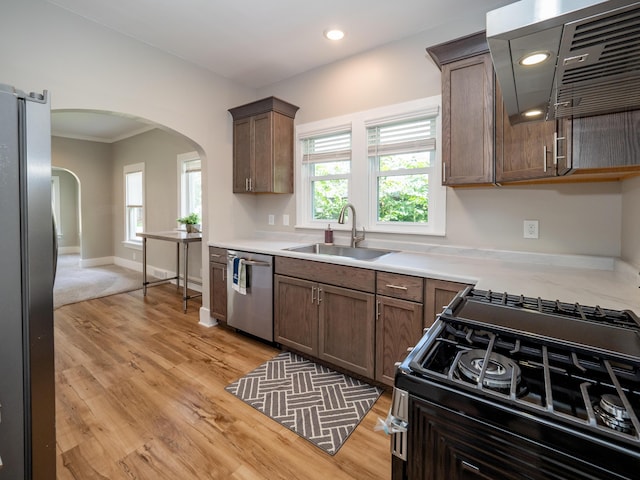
(401, 156)
(134, 202)
(327, 163)
(189, 184)
(389, 169)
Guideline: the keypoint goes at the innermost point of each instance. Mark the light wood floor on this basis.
(140, 395)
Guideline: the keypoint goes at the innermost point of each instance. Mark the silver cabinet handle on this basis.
(377, 309)
(312, 294)
(215, 255)
(397, 287)
(251, 184)
(319, 295)
(556, 139)
(224, 274)
(544, 158)
(444, 172)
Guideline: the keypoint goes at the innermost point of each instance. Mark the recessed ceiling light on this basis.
(334, 34)
(534, 58)
(533, 113)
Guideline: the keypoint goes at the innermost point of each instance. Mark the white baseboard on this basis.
(96, 262)
(194, 283)
(130, 264)
(67, 250)
(205, 319)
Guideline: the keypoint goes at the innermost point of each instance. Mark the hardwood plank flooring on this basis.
(140, 395)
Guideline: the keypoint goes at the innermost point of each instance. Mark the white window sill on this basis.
(132, 245)
(403, 230)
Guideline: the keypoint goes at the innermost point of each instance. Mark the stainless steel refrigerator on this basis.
(27, 387)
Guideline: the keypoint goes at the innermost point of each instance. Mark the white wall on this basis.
(584, 219)
(158, 150)
(91, 163)
(68, 222)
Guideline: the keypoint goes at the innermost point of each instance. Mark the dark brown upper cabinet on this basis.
(530, 150)
(468, 89)
(263, 146)
(481, 147)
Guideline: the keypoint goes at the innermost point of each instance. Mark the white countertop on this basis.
(586, 280)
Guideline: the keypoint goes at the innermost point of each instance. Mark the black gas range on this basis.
(510, 387)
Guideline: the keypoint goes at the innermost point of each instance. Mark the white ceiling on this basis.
(260, 42)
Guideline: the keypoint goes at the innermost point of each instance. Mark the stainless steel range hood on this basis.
(594, 56)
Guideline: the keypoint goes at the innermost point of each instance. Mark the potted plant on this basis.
(190, 222)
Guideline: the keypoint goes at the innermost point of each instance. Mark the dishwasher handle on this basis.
(252, 263)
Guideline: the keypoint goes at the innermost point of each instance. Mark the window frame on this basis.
(133, 242)
(362, 193)
(307, 167)
(182, 160)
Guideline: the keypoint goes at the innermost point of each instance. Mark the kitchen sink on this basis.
(359, 253)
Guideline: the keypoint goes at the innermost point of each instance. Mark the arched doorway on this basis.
(97, 147)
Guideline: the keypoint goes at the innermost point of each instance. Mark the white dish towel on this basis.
(239, 283)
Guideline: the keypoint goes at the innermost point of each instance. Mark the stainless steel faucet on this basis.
(355, 238)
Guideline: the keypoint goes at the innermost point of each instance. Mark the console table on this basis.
(179, 238)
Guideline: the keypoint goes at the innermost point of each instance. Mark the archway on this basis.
(95, 146)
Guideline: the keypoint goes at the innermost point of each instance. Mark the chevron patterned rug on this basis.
(319, 404)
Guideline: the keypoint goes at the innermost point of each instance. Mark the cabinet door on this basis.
(262, 168)
(525, 150)
(438, 294)
(296, 314)
(218, 291)
(398, 327)
(467, 121)
(347, 332)
(242, 154)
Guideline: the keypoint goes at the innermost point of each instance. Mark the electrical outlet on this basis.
(285, 219)
(272, 219)
(531, 229)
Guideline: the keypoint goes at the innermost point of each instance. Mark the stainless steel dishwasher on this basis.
(252, 312)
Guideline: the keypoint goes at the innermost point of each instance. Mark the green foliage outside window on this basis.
(328, 198)
(403, 198)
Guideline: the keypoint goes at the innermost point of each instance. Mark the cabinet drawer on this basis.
(217, 255)
(400, 286)
(329, 273)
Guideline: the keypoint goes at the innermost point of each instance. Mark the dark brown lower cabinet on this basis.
(347, 329)
(218, 283)
(437, 295)
(334, 324)
(296, 314)
(398, 327)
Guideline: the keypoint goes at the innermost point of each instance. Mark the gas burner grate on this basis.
(548, 380)
(597, 314)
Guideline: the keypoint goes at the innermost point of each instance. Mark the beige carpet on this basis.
(75, 284)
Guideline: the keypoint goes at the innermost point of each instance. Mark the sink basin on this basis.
(360, 253)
